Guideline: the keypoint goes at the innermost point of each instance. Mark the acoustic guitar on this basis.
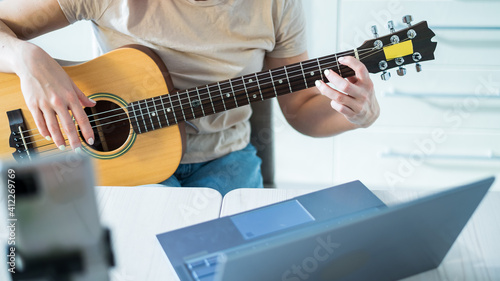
(138, 112)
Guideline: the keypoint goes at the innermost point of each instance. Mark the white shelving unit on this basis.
(437, 128)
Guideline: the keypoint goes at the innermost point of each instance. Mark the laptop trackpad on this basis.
(273, 218)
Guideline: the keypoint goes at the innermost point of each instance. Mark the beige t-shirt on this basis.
(201, 42)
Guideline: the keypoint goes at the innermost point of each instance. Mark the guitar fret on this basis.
(142, 115)
(161, 115)
(272, 82)
(258, 85)
(246, 90)
(299, 82)
(303, 74)
(216, 98)
(281, 86)
(201, 103)
(312, 76)
(156, 113)
(319, 69)
(173, 109)
(141, 123)
(180, 105)
(190, 104)
(252, 87)
(132, 112)
(232, 90)
(222, 96)
(266, 88)
(150, 115)
(240, 91)
(289, 82)
(211, 101)
(164, 110)
(137, 122)
(338, 65)
(221, 106)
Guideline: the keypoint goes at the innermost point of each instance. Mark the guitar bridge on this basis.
(19, 139)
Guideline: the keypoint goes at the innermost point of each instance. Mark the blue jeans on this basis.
(235, 170)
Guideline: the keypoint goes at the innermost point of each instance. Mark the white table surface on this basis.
(136, 215)
(475, 255)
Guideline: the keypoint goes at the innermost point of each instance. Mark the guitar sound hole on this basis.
(110, 125)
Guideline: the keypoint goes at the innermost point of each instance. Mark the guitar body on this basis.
(121, 156)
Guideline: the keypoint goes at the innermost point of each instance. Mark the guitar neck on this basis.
(170, 109)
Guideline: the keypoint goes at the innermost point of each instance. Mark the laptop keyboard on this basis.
(203, 269)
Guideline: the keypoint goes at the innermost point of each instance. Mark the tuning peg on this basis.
(418, 66)
(401, 71)
(408, 19)
(375, 31)
(390, 24)
(385, 75)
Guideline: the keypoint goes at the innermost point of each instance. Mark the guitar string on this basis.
(56, 149)
(179, 108)
(155, 123)
(176, 107)
(127, 119)
(312, 64)
(313, 61)
(159, 122)
(278, 76)
(334, 63)
(180, 105)
(269, 86)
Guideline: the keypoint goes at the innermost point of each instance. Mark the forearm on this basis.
(48, 90)
(11, 48)
(315, 117)
(17, 24)
(16, 55)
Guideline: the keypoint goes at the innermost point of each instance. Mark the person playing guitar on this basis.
(201, 42)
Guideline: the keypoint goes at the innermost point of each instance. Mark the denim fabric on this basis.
(238, 169)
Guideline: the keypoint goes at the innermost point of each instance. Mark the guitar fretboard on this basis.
(170, 109)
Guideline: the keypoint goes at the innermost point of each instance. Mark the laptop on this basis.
(339, 233)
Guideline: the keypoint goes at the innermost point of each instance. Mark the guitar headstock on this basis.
(411, 45)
